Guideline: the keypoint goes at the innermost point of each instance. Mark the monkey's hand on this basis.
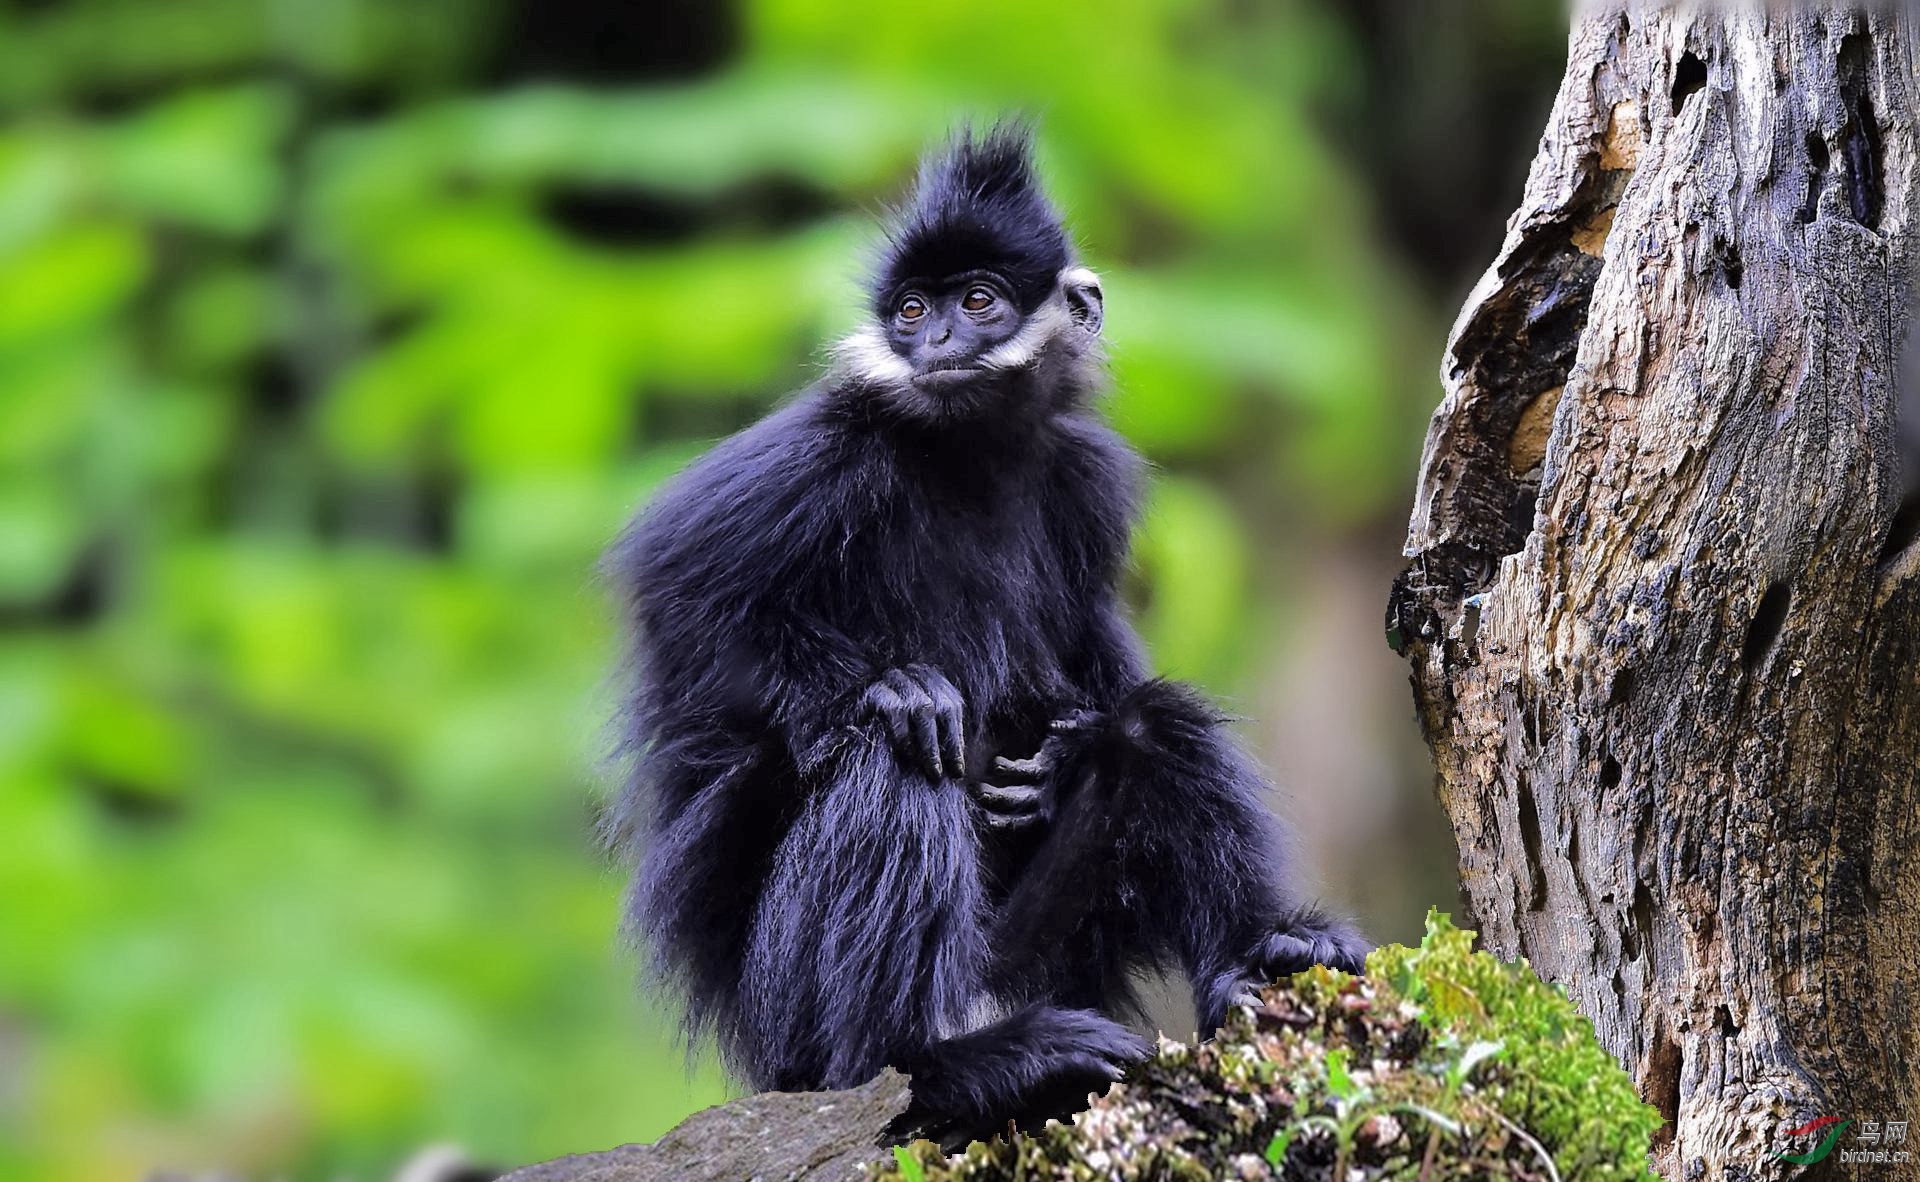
(924, 714)
(1019, 794)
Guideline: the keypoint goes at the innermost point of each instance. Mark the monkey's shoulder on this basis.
(1094, 457)
(1095, 482)
(769, 490)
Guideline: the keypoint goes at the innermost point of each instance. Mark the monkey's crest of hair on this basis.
(978, 204)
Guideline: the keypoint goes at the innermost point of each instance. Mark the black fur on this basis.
(978, 205)
(837, 606)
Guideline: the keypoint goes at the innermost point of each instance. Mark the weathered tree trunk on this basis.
(1663, 606)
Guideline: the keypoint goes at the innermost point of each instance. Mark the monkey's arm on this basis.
(743, 609)
(866, 940)
(1150, 766)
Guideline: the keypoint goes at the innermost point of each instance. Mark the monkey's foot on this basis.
(1313, 939)
(1038, 1064)
(926, 717)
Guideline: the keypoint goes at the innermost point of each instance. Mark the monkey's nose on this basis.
(941, 334)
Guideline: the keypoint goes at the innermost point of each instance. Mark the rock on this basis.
(771, 1137)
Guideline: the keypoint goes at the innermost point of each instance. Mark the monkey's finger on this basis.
(950, 714)
(926, 738)
(1008, 799)
(1021, 771)
(892, 711)
(953, 743)
(1074, 723)
(918, 724)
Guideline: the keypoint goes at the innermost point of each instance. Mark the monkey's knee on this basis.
(1165, 717)
(1164, 752)
(1158, 726)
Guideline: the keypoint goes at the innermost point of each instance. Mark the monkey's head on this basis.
(977, 293)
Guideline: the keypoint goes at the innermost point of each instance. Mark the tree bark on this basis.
(1663, 604)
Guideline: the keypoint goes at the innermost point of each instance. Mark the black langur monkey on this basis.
(904, 792)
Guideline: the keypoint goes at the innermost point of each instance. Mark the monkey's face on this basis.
(948, 329)
(961, 347)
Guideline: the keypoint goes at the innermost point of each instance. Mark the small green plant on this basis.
(909, 1166)
(1441, 1063)
(1567, 1090)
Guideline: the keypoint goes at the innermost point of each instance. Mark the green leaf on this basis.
(78, 274)
(1276, 1152)
(910, 1167)
(1339, 1080)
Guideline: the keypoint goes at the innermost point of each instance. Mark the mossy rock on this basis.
(1440, 1063)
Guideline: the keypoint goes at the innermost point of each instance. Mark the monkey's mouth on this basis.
(944, 375)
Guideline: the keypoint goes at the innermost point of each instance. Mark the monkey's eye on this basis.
(912, 308)
(978, 299)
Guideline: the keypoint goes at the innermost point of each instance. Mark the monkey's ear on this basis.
(1085, 302)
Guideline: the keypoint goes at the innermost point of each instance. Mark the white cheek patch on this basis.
(865, 354)
(1079, 277)
(1020, 350)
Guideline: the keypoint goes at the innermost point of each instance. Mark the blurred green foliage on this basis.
(331, 353)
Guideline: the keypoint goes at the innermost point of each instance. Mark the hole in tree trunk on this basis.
(1665, 1062)
(1639, 934)
(1818, 161)
(1689, 79)
(1731, 262)
(1904, 530)
(1622, 691)
(1530, 835)
(1860, 138)
(1764, 633)
(1509, 361)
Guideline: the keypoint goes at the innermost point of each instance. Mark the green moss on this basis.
(1440, 1063)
